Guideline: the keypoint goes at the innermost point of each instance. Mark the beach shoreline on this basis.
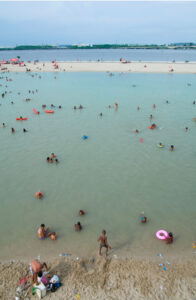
(81, 66)
(111, 278)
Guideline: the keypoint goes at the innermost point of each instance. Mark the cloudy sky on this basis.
(96, 22)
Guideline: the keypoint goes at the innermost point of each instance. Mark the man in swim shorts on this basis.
(43, 233)
(35, 267)
(103, 242)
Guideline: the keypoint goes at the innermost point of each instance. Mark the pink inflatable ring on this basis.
(162, 235)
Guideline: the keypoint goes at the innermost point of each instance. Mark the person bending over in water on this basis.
(78, 226)
(172, 147)
(43, 233)
(170, 238)
(103, 242)
(35, 267)
(81, 212)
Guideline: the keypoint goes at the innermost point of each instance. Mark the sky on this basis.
(25, 23)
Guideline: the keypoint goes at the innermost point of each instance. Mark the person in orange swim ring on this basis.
(39, 195)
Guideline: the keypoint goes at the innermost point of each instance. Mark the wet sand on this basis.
(111, 278)
(137, 67)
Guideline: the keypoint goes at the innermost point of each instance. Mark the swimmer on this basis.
(39, 195)
(24, 130)
(13, 130)
(170, 238)
(193, 102)
(116, 105)
(172, 147)
(20, 117)
(161, 145)
(109, 106)
(60, 106)
(101, 115)
(80, 107)
(143, 219)
(43, 105)
(3, 125)
(186, 129)
(153, 126)
(136, 131)
(138, 108)
(81, 212)
(154, 106)
(150, 117)
(78, 226)
(52, 155)
(167, 101)
(103, 242)
(56, 161)
(44, 233)
(48, 159)
(75, 107)
(12, 102)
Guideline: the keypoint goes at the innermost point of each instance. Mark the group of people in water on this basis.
(52, 158)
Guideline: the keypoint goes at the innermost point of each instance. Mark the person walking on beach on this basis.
(103, 243)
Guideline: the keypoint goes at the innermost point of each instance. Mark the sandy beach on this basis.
(135, 67)
(111, 278)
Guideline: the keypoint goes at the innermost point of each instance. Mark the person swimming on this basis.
(81, 212)
(39, 195)
(194, 102)
(80, 107)
(136, 131)
(56, 160)
(116, 105)
(143, 219)
(60, 106)
(170, 238)
(138, 108)
(50, 160)
(75, 107)
(172, 147)
(13, 130)
(101, 115)
(3, 125)
(154, 106)
(150, 117)
(103, 242)
(24, 130)
(78, 226)
(186, 128)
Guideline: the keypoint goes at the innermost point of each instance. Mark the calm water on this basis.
(111, 175)
(106, 55)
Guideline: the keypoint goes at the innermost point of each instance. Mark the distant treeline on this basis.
(104, 46)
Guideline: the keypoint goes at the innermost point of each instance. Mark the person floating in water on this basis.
(103, 243)
(44, 233)
(13, 130)
(170, 238)
(3, 125)
(143, 219)
(24, 130)
(150, 117)
(138, 108)
(81, 212)
(186, 128)
(136, 131)
(52, 155)
(78, 226)
(172, 147)
(194, 102)
(75, 107)
(116, 105)
(101, 115)
(154, 106)
(56, 160)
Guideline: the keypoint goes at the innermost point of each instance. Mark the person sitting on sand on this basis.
(52, 155)
(81, 212)
(78, 226)
(13, 130)
(43, 233)
(172, 148)
(170, 238)
(103, 242)
(24, 130)
(35, 267)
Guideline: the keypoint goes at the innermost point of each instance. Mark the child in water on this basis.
(143, 219)
(103, 243)
(170, 238)
(78, 226)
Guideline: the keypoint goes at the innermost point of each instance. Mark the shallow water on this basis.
(112, 176)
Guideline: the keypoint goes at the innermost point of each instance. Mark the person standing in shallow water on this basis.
(103, 243)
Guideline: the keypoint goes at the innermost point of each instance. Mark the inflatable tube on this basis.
(162, 235)
(19, 119)
(152, 127)
(49, 111)
(35, 111)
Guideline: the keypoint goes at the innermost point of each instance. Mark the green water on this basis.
(112, 176)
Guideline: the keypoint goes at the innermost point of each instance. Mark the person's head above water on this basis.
(170, 234)
(104, 232)
(42, 225)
